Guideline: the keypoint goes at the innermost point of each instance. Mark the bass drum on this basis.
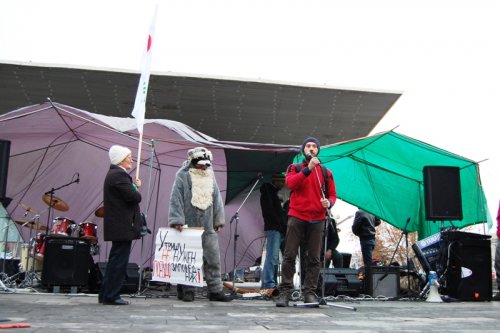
(27, 260)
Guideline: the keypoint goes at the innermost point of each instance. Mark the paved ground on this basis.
(162, 312)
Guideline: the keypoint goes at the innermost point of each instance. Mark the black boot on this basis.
(219, 297)
(310, 298)
(282, 300)
(188, 296)
(180, 292)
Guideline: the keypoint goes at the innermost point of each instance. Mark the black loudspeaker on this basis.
(340, 281)
(66, 262)
(468, 273)
(382, 281)
(442, 192)
(4, 166)
(131, 282)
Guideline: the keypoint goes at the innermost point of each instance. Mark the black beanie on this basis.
(311, 139)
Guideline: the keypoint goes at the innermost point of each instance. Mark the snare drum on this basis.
(62, 226)
(88, 230)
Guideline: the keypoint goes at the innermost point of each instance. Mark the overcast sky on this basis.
(444, 56)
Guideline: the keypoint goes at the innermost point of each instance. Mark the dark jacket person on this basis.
(122, 222)
(364, 227)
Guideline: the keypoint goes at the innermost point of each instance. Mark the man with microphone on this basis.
(312, 193)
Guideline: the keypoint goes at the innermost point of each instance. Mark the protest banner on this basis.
(178, 257)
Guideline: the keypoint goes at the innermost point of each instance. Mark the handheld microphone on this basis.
(259, 175)
(309, 156)
(77, 177)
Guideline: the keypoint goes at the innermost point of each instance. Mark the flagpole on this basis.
(139, 150)
(139, 111)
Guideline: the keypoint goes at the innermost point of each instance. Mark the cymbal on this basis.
(57, 203)
(99, 212)
(31, 225)
(28, 209)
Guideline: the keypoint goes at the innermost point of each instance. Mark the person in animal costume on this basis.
(196, 199)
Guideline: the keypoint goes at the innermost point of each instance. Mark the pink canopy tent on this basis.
(52, 144)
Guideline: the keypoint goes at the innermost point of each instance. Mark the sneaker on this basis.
(219, 297)
(282, 300)
(496, 297)
(188, 296)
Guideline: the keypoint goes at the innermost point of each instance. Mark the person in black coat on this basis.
(275, 228)
(122, 222)
(364, 227)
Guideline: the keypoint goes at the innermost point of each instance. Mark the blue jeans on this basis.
(367, 247)
(275, 243)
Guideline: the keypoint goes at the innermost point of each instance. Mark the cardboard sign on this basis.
(178, 257)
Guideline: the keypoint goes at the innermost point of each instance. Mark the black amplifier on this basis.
(341, 281)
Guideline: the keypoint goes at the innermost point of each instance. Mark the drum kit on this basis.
(32, 253)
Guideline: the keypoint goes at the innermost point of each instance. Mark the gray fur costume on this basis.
(196, 201)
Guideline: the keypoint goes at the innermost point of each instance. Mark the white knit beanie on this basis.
(118, 154)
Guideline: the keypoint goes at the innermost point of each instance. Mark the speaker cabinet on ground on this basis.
(382, 281)
(66, 262)
(468, 273)
(131, 282)
(4, 166)
(442, 193)
(340, 281)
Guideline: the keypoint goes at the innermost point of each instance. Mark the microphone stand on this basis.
(51, 192)
(236, 217)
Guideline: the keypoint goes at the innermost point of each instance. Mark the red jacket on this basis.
(306, 192)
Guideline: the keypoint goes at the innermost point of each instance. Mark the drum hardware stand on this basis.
(236, 218)
(4, 288)
(30, 274)
(4, 277)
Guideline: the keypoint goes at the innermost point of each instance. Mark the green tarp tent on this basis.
(383, 174)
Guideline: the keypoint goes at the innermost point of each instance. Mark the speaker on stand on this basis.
(442, 193)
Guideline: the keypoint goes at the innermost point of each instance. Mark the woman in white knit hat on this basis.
(122, 222)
